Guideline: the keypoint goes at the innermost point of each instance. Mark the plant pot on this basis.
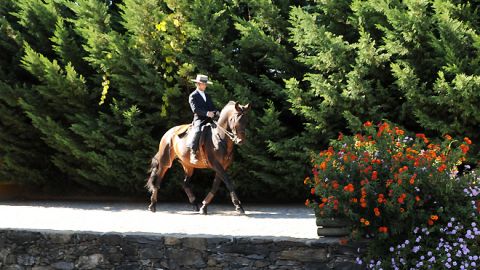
(332, 226)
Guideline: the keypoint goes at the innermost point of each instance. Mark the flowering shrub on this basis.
(454, 245)
(388, 183)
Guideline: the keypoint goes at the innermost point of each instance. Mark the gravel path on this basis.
(262, 221)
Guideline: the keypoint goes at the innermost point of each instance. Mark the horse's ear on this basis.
(247, 107)
(237, 107)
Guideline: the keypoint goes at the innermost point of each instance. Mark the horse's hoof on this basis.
(195, 207)
(153, 209)
(240, 210)
(203, 210)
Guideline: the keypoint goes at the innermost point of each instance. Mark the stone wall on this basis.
(48, 250)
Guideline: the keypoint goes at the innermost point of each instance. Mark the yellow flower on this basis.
(162, 26)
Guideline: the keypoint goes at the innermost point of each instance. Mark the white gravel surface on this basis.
(285, 221)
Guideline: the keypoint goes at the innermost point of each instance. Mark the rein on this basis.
(231, 135)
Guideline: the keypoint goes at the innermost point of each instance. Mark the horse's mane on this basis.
(230, 103)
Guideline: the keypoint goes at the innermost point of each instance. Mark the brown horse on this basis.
(215, 152)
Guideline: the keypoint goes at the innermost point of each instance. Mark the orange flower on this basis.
(312, 191)
(307, 202)
(404, 168)
(324, 200)
(442, 168)
(349, 188)
(464, 148)
(377, 212)
(448, 137)
(423, 137)
(412, 179)
(430, 222)
(381, 198)
(401, 199)
(367, 124)
(416, 163)
(306, 181)
(402, 210)
(383, 229)
(381, 128)
(374, 175)
(367, 223)
(417, 198)
(467, 140)
(335, 185)
(340, 136)
(434, 217)
(323, 166)
(399, 131)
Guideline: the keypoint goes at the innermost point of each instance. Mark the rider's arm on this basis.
(195, 108)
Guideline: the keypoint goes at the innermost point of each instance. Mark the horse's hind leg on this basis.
(188, 188)
(208, 199)
(157, 173)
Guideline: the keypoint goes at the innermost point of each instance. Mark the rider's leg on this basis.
(194, 140)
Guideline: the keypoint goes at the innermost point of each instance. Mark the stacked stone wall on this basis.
(49, 250)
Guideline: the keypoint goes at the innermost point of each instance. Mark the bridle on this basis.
(232, 135)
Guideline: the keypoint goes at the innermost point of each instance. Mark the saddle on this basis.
(184, 130)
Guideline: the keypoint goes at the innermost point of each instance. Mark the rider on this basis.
(203, 112)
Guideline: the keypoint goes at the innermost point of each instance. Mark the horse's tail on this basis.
(153, 174)
(162, 160)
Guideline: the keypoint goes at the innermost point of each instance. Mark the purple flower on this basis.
(391, 249)
(416, 249)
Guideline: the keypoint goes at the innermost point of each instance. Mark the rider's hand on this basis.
(210, 114)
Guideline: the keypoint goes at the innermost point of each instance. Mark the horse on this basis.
(215, 152)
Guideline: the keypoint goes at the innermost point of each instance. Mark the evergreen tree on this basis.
(88, 87)
(23, 156)
(411, 62)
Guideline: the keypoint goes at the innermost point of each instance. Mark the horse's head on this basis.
(237, 121)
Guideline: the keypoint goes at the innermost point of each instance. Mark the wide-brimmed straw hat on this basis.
(201, 79)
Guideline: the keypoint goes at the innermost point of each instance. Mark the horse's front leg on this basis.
(222, 174)
(188, 190)
(208, 199)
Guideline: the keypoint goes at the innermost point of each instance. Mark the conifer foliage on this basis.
(88, 87)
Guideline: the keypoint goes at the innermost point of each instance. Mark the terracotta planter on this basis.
(332, 227)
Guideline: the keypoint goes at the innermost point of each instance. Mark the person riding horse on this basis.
(203, 112)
